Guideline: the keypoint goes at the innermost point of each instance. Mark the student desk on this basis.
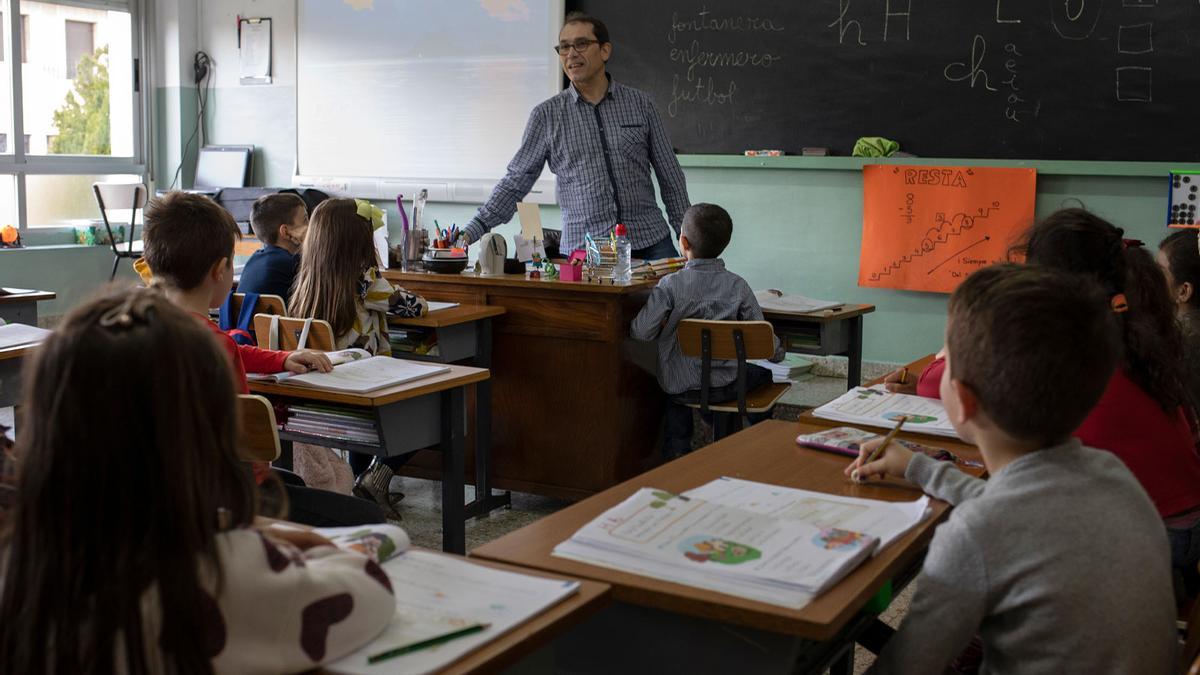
(573, 413)
(22, 307)
(419, 414)
(464, 333)
(837, 332)
(765, 452)
(10, 373)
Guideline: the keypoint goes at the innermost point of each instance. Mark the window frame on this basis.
(20, 164)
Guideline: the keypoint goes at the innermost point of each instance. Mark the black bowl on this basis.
(451, 266)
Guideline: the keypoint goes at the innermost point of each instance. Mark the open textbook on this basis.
(688, 540)
(438, 594)
(877, 407)
(356, 371)
(18, 334)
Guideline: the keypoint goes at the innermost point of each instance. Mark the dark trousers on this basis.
(678, 419)
(323, 508)
(359, 461)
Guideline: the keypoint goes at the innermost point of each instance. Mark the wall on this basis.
(798, 230)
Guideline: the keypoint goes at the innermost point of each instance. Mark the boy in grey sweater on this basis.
(1059, 561)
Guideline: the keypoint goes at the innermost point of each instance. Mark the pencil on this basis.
(881, 447)
(904, 375)
(431, 642)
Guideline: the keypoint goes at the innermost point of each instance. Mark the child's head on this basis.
(1029, 351)
(189, 243)
(706, 231)
(280, 219)
(338, 248)
(1076, 240)
(1179, 258)
(128, 462)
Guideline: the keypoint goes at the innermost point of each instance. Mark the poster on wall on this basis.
(926, 228)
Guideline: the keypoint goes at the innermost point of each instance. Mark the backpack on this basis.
(242, 332)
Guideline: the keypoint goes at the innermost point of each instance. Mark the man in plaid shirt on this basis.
(601, 139)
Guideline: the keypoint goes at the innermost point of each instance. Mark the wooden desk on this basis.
(464, 333)
(529, 636)
(22, 307)
(10, 373)
(573, 414)
(765, 452)
(836, 332)
(420, 414)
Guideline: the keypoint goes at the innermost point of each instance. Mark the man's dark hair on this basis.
(598, 27)
(708, 229)
(270, 211)
(1036, 345)
(185, 235)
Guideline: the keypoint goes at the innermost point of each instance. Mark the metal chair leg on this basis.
(116, 261)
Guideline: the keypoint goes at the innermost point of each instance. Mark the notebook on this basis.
(18, 334)
(773, 300)
(877, 407)
(355, 371)
(705, 543)
(437, 594)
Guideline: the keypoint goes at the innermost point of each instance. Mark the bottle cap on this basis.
(621, 230)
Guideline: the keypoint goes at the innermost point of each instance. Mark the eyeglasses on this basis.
(580, 45)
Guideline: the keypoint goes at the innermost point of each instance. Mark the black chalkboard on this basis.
(1015, 79)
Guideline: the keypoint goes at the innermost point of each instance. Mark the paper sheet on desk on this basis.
(877, 407)
(886, 520)
(436, 593)
(799, 304)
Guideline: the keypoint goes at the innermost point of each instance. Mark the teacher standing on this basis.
(600, 138)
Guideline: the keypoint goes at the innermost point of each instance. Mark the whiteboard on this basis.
(397, 95)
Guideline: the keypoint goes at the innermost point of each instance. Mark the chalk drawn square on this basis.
(1139, 3)
(1136, 39)
(1134, 84)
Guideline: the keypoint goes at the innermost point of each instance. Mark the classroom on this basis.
(736, 334)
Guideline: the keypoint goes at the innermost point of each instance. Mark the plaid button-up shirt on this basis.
(602, 155)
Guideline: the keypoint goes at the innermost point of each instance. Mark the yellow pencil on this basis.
(881, 447)
(904, 376)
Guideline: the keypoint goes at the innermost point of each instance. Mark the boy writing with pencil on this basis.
(1059, 561)
(703, 289)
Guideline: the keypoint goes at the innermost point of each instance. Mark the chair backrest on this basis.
(260, 437)
(114, 196)
(757, 336)
(267, 304)
(291, 333)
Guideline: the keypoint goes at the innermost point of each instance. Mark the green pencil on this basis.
(431, 642)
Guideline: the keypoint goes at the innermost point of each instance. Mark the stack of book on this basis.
(413, 341)
(330, 422)
(659, 268)
(791, 368)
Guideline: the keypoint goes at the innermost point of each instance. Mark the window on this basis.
(81, 42)
(74, 105)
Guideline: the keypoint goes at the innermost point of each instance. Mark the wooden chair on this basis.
(267, 304)
(119, 196)
(730, 340)
(260, 436)
(280, 332)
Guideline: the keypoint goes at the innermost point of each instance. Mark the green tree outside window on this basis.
(82, 121)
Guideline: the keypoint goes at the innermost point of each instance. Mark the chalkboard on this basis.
(1005, 79)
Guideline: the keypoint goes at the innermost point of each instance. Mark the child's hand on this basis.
(901, 381)
(301, 539)
(306, 360)
(893, 462)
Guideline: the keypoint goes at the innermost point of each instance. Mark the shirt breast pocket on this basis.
(635, 141)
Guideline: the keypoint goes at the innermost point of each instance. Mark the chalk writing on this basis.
(1015, 109)
(959, 70)
(998, 19)
(704, 92)
(888, 14)
(843, 25)
(694, 56)
(1075, 19)
(705, 21)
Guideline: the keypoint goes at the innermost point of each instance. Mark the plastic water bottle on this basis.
(621, 272)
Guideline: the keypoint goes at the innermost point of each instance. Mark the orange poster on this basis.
(925, 228)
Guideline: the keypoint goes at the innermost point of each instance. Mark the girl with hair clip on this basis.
(1180, 260)
(1145, 417)
(339, 282)
(132, 544)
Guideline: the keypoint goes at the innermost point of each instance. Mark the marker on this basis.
(880, 448)
(431, 642)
